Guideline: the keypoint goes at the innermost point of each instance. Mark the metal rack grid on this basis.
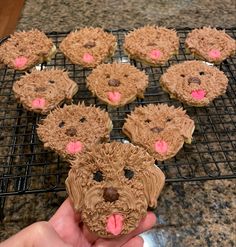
(26, 167)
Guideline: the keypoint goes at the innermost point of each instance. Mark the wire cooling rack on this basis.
(26, 167)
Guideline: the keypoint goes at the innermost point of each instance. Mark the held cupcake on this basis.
(112, 185)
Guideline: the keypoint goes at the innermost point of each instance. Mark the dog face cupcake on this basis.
(23, 50)
(210, 44)
(152, 45)
(117, 84)
(194, 82)
(112, 185)
(42, 91)
(88, 47)
(71, 129)
(161, 129)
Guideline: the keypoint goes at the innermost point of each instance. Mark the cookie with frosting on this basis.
(23, 50)
(71, 129)
(88, 47)
(117, 84)
(194, 82)
(151, 44)
(112, 185)
(210, 44)
(42, 91)
(161, 129)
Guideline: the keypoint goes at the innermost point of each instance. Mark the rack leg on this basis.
(2, 203)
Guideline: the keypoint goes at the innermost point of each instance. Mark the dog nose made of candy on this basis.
(20, 62)
(110, 194)
(74, 147)
(115, 224)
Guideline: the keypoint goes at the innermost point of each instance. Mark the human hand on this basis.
(65, 229)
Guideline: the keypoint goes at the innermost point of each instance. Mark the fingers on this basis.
(88, 235)
(65, 210)
(39, 234)
(145, 224)
(134, 242)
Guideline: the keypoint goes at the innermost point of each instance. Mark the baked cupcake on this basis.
(117, 84)
(151, 44)
(88, 47)
(23, 50)
(42, 91)
(71, 129)
(210, 44)
(161, 129)
(112, 185)
(194, 82)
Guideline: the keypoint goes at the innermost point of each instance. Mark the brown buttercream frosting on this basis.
(33, 46)
(127, 172)
(42, 91)
(108, 80)
(201, 42)
(88, 47)
(151, 44)
(194, 82)
(73, 128)
(161, 129)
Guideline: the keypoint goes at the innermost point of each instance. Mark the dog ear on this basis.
(153, 181)
(186, 126)
(74, 190)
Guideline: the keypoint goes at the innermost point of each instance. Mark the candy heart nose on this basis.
(110, 194)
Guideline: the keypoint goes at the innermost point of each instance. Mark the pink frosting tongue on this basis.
(74, 147)
(161, 147)
(155, 54)
(115, 224)
(198, 94)
(114, 96)
(20, 62)
(38, 103)
(88, 58)
(214, 53)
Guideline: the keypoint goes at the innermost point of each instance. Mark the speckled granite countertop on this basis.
(189, 214)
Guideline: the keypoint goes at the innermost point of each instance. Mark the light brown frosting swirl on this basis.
(53, 85)
(201, 41)
(135, 194)
(132, 82)
(173, 126)
(87, 124)
(33, 44)
(94, 41)
(176, 81)
(140, 42)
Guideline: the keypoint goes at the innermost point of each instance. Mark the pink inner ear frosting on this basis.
(214, 53)
(20, 62)
(114, 96)
(115, 224)
(88, 58)
(155, 54)
(38, 103)
(74, 147)
(161, 147)
(198, 94)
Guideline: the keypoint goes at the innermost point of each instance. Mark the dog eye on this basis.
(98, 176)
(147, 121)
(83, 119)
(128, 173)
(61, 124)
